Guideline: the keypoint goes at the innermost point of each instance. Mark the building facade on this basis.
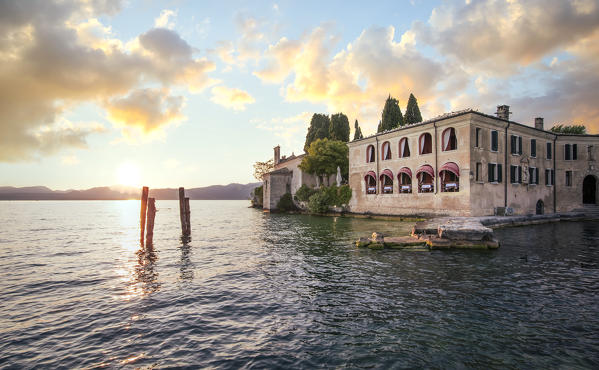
(286, 177)
(471, 164)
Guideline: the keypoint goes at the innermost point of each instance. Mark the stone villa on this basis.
(472, 164)
(463, 164)
(286, 177)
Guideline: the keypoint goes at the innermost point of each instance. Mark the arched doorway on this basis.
(589, 189)
(540, 207)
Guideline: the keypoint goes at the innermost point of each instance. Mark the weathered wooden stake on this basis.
(142, 214)
(182, 210)
(150, 223)
(187, 218)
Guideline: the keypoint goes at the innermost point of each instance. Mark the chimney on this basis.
(503, 112)
(539, 123)
(277, 154)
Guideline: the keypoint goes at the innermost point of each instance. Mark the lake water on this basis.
(254, 290)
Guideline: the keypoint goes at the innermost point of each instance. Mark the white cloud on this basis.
(164, 20)
(233, 98)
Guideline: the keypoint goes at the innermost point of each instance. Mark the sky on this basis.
(192, 93)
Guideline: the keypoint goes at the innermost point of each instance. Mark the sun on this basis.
(128, 174)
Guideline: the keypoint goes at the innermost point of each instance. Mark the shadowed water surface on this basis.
(259, 290)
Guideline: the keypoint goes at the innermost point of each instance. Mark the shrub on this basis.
(257, 197)
(319, 202)
(304, 193)
(286, 204)
(344, 195)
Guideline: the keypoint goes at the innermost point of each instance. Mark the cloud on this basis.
(357, 79)
(233, 98)
(55, 55)
(145, 109)
(500, 36)
(163, 20)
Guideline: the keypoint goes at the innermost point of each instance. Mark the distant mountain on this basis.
(215, 192)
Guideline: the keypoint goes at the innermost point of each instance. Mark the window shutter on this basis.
(574, 151)
(499, 173)
(548, 150)
(533, 148)
(490, 168)
(567, 152)
(513, 144)
(519, 144)
(519, 174)
(477, 137)
(512, 174)
(552, 177)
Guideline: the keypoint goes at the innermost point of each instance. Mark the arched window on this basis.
(386, 149)
(426, 179)
(387, 181)
(425, 143)
(404, 148)
(370, 180)
(370, 154)
(450, 142)
(450, 177)
(405, 180)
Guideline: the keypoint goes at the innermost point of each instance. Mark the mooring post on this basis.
(182, 209)
(187, 218)
(150, 223)
(142, 213)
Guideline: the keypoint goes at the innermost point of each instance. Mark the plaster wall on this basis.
(436, 203)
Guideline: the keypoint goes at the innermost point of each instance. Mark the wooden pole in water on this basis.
(187, 218)
(142, 214)
(182, 209)
(150, 223)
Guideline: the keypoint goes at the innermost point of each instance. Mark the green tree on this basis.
(412, 111)
(339, 128)
(357, 132)
(391, 117)
(319, 129)
(324, 156)
(573, 129)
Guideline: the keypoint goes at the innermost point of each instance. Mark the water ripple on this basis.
(253, 290)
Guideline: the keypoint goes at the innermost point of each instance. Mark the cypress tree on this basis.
(379, 127)
(391, 117)
(319, 129)
(412, 111)
(339, 127)
(357, 132)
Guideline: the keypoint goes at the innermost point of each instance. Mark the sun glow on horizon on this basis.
(128, 174)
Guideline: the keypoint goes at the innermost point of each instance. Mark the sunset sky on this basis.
(192, 93)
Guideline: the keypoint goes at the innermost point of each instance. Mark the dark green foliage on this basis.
(574, 129)
(319, 202)
(324, 156)
(343, 195)
(339, 128)
(328, 196)
(357, 132)
(286, 204)
(391, 117)
(412, 111)
(304, 192)
(319, 129)
(257, 197)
